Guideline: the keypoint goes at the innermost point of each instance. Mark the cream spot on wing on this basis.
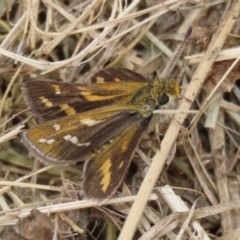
(85, 91)
(90, 122)
(46, 101)
(56, 126)
(57, 89)
(74, 140)
(106, 175)
(84, 144)
(67, 109)
(64, 106)
(120, 165)
(67, 137)
(117, 80)
(49, 141)
(100, 80)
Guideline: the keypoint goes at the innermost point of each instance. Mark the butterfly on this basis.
(101, 123)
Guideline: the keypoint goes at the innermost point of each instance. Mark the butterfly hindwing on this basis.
(105, 171)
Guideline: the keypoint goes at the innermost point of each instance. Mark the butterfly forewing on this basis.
(51, 99)
(67, 140)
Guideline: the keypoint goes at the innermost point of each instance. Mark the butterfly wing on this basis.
(70, 139)
(51, 99)
(117, 75)
(104, 172)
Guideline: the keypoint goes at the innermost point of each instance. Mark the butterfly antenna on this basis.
(176, 55)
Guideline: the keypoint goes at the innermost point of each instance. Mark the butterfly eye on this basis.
(163, 99)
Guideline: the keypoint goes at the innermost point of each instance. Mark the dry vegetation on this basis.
(197, 194)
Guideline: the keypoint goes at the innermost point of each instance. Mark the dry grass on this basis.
(197, 195)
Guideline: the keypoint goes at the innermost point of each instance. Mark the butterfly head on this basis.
(165, 94)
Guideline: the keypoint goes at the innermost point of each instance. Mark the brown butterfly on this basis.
(101, 123)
